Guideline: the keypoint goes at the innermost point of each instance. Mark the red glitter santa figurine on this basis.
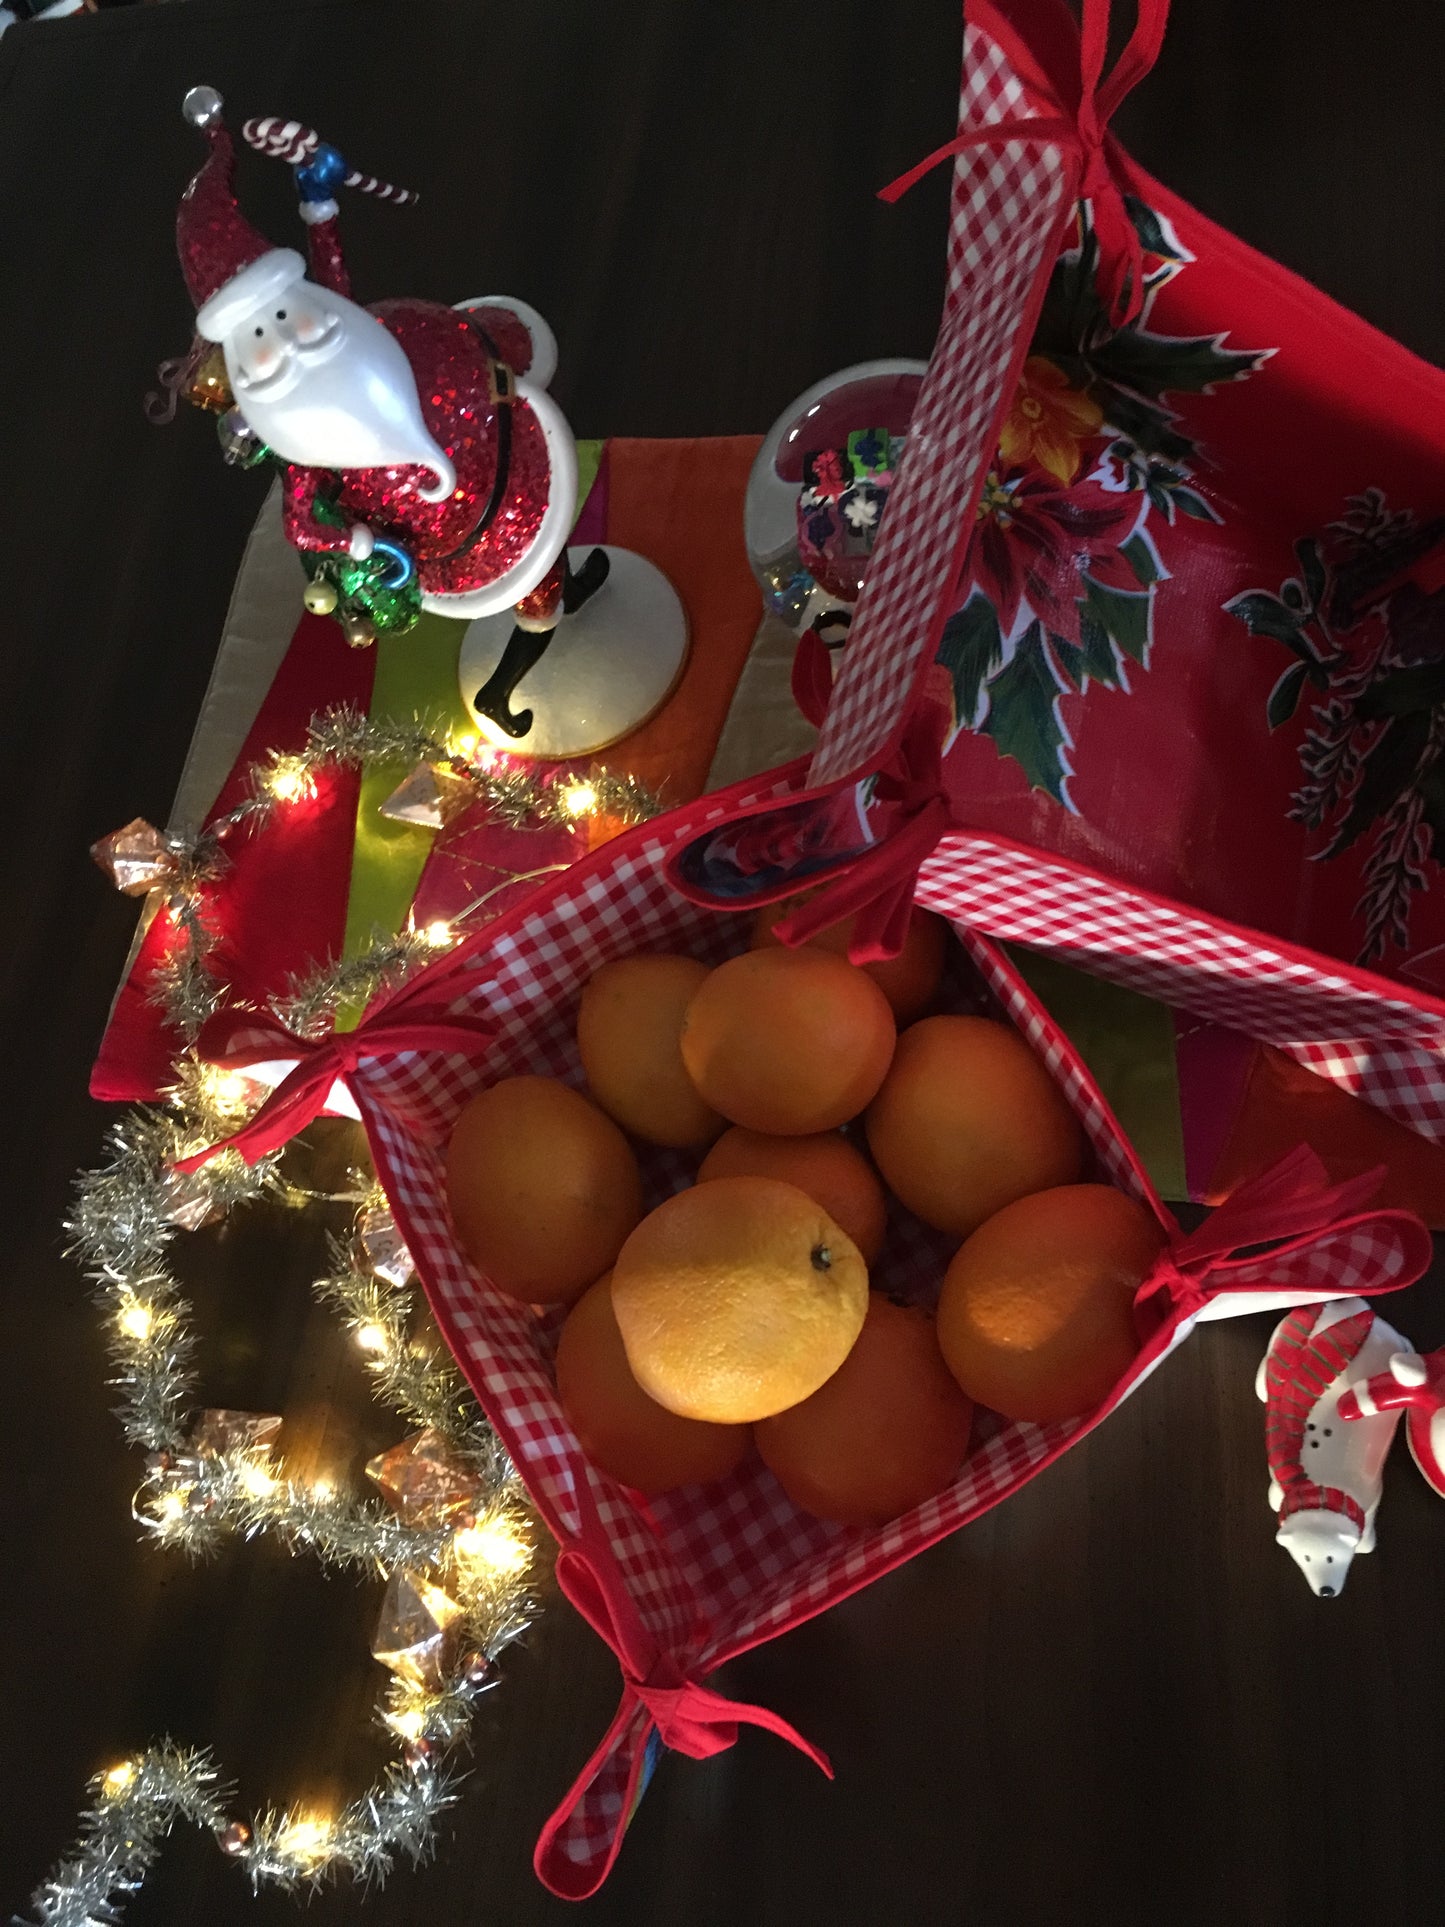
(409, 432)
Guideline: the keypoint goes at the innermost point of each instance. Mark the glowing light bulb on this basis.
(438, 933)
(494, 1545)
(289, 779)
(466, 744)
(372, 1337)
(578, 799)
(306, 1839)
(227, 1090)
(408, 1724)
(119, 1778)
(135, 1321)
(171, 1509)
(256, 1480)
(323, 1489)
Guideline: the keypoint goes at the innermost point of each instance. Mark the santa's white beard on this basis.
(352, 405)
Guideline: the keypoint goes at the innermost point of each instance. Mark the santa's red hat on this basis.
(231, 269)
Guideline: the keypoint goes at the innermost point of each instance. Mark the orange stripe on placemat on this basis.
(680, 504)
(1285, 1105)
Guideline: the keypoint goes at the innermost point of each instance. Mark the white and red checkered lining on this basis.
(714, 1569)
(1378, 1045)
(1007, 212)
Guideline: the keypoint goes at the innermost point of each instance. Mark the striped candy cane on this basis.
(288, 140)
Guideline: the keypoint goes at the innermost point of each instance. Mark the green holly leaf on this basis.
(1153, 237)
(1284, 697)
(1404, 692)
(1311, 568)
(1143, 559)
(1098, 658)
(1193, 505)
(1389, 769)
(1124, 614)
(970, 649)
(1266, 615)
(1158, 365)
(1150, 427)
(1070, 313)
(1023, 717)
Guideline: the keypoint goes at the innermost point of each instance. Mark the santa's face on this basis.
(325, 385)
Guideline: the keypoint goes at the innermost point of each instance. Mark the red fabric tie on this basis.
(1294, 1199)
(691, 1718)
(1121, 258)
(876, 889)
(301, 1095)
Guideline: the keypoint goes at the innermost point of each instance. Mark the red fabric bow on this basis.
(1121, 258)
(876, 889)
(301, 1095)
(689, 1717)
(1293, 1200)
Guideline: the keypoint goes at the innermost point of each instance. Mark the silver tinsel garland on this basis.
(185, 985)
(211, 1474)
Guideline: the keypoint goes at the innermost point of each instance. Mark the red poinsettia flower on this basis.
(1034, 540)
(1049, 421)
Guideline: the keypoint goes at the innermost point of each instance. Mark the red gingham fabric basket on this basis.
(1123, 798)
(682, 1583)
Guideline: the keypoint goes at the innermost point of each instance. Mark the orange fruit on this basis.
(888, 1429)
(968, 1120)
(832, 1172)
(627, 1033)
(543, 1188)
(909, 981)
(737, 1298)
(788, 1041)
(1036, 1317)
(620, 1428)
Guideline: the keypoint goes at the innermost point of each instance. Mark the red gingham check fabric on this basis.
(1395, 1056)
(712, 1570)
(1007, 213)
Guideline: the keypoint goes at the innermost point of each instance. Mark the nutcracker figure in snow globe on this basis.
(423, 465)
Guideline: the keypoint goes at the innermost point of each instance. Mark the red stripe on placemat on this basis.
(288, 894)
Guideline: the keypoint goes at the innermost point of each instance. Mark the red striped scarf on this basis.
(1302, 1365)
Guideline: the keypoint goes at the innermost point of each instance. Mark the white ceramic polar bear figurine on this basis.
(1325, 1474)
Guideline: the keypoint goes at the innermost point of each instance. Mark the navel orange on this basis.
(830, 1170)
(543, 1188)
(788, 1041)
(909, 981)
(737, 1298)
(628, 1028)
(885, 1432)
(968, 1120)
(1036, 1315)
(619, 1427)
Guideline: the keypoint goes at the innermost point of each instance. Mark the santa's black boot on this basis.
(580, 588)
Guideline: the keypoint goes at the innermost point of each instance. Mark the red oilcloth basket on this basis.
(680, 1584)
(1149, 665)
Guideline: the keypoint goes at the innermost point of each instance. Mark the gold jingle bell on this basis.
(358, 631)
(320, 596)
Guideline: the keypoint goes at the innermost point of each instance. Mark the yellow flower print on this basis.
(1048, 421)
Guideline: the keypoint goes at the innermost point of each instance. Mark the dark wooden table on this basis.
(1113, 1697)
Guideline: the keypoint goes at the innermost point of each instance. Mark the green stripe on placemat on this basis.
(1127, 1042)
(416, 675)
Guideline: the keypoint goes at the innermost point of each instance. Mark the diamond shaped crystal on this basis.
(135, 858)
(416, 1632)
(219, 1432)
(382, 1246)
(425, 1480)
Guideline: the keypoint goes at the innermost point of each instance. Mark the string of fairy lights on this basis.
(446, 1526)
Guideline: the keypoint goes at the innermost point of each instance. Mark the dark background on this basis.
(1112, 1696)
